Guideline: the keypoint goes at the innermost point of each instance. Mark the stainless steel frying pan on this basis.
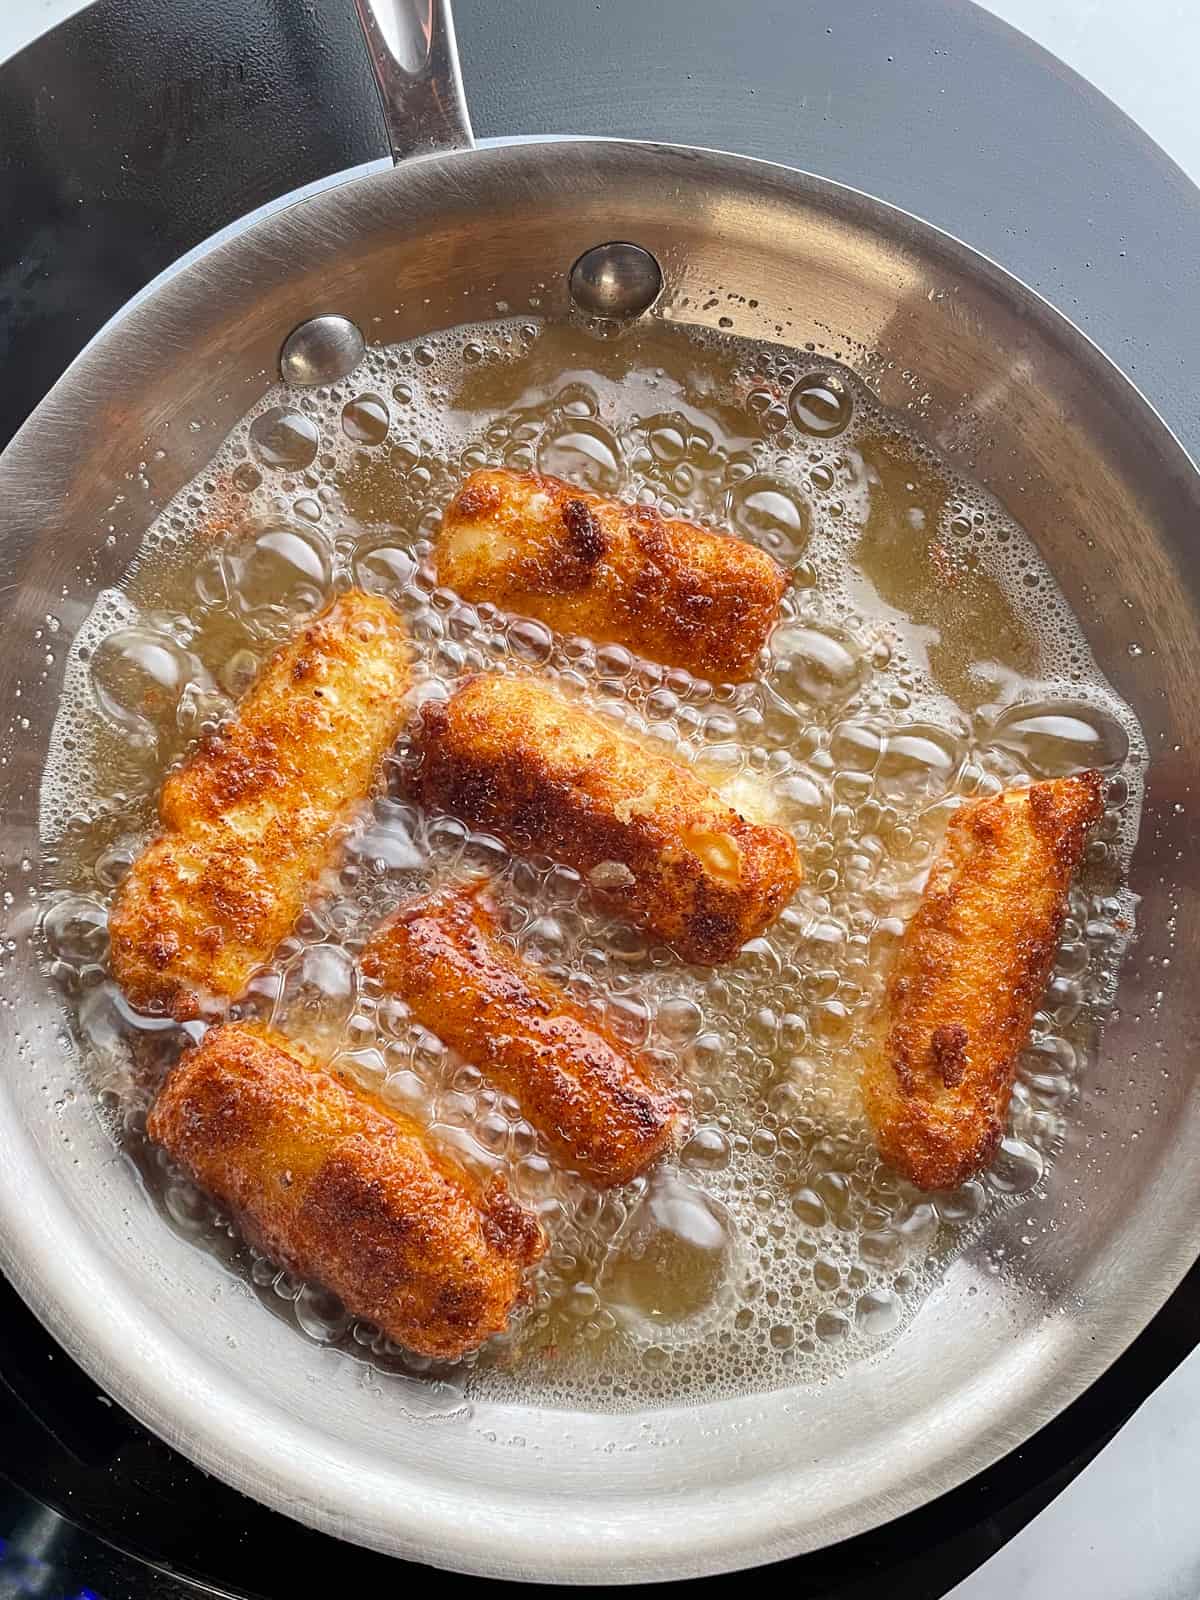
(1031, 408)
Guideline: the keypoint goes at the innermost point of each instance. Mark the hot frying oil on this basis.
(924, 655)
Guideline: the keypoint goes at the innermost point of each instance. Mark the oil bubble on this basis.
(1017, 1168)
(856, 746)
(76, 929)
(366, 419)
(583, 452)
(877, 1312)
(770, 515)
(918, 765)
(821, 405)
(317, 996)
(707, 1150)
(816, 664)
(674, 1262)
(138, 678)
(321, 1314)
(667, 437)
(282, 437)
(384, 569)
(277, 573)
(1056, 739)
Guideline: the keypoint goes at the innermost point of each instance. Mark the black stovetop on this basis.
(75, 1461)
(107, 121)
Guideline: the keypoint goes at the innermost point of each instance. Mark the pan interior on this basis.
(923, 658)
(1001, 386)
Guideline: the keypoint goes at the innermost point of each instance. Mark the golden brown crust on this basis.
(250, 820)
(971, 968)
(346, 1193)
(583, 1090)
(512, 755)
(679, 593)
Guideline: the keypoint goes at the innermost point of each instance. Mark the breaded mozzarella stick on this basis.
(685, 595)
(250, 820)
(511, 755)
(583, 1090)
(971, 969)
(345, 1192)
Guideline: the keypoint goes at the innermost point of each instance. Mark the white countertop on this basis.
(1128, 1527)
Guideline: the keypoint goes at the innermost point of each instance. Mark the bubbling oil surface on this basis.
(924, 656)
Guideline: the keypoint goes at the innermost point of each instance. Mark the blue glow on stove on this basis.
(23, 1575)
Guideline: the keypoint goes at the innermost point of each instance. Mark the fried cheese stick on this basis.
(582, 1089)
(678, 593)
(972, 966)
(250, 820)
(513, 756)
(345, 1192)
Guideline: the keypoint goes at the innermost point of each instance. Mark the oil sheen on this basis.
(924, 655)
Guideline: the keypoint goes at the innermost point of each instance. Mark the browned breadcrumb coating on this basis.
(970, 972)
(345, 1192)
(583, 1090)
(511, 755)
(681, 594)
(251, 819)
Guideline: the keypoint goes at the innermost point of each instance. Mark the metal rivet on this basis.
(321, 350)
(616, 281)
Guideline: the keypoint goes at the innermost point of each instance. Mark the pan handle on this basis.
(415, 61)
